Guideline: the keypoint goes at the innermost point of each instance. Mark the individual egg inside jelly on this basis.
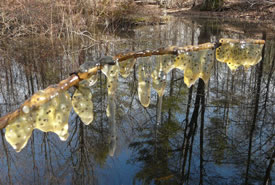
(89, 82)
(83, 104)
(239, 54)
(158, 75)
(144, 82)
(53, 116)
(19, 131)
(126, 66)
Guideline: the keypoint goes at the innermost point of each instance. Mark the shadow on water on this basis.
(216, 133)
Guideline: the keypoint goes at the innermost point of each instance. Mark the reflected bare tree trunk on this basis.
(159, 110)
(8, 99)
(190, 92)
(33, 158)
(268, 59)
(82, 152)
(187, 120)
(47, 169)
(101, 101)
(32, 85)
(190, 154)
(269, 80)
(113, 140)
(186, 126)
(7, 155)
(28, 83)
(11, 83)
(216, 69)
(227, 100)
(267, 179)
(171, 92)
(201, 132)
(256, 103)
(192, 126)
(83, 167)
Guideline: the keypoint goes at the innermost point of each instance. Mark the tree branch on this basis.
(75, 78)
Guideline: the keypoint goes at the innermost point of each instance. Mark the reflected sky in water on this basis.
(134, 149)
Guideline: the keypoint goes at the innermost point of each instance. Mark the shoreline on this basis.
(125, 15)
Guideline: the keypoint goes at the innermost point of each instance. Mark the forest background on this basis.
(63, 18)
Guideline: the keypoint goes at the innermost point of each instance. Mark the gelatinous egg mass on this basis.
(51, 116)
(111, 72)
(167, 63)
(159, 75)
(89, 81)
(207, 64)
(83, 104)
(144, 82)
(38, 97)
(111, 108)
(126, 66)
(239, 54)
(195, 64)
(19, 131)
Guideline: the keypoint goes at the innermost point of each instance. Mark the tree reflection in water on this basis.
(168, 153)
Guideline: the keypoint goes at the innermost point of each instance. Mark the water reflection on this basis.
(134, 149)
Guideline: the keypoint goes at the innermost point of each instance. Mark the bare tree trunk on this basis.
(210, 5)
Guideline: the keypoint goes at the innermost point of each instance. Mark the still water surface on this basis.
(135, 150)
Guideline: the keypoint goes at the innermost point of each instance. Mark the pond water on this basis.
(136, 149)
